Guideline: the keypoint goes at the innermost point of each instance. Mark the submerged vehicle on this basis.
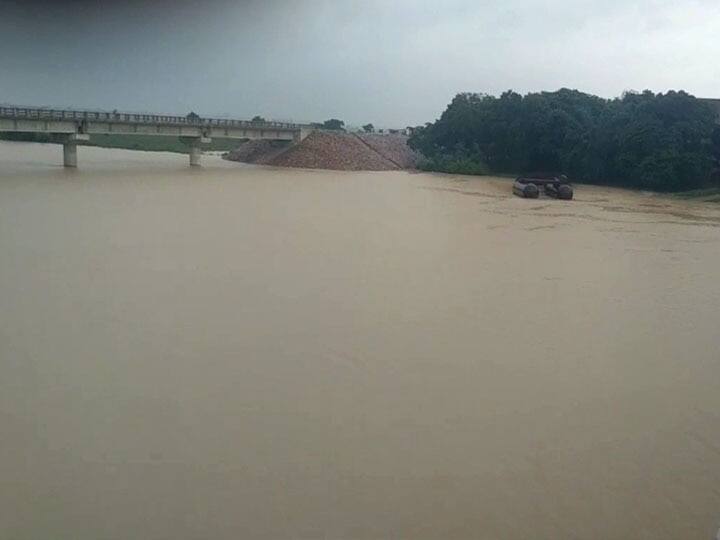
(556, 186)
(526, 187)
(559, 191)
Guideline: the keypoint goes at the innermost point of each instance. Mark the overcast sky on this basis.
(390, 62)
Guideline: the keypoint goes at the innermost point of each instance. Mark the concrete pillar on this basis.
(69, 143)
(70, 154)
(304, 132)
(195, 150)
(195, 154)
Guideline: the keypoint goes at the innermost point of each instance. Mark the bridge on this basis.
(71, 127)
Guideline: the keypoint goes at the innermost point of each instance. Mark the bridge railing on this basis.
(134, 118)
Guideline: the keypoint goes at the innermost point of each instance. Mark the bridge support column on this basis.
(195, 151)
(69, 143)
(302, 133)
(69, 154)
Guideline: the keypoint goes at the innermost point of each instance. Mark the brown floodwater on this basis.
(247, 352)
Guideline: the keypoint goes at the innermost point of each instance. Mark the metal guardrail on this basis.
(133, 118)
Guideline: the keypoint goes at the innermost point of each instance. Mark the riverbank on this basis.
(707, 195)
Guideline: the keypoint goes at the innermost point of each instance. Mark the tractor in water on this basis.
(556, 186)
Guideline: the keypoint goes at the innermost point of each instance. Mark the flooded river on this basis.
(245, 352)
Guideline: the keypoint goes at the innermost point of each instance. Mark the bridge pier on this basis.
(69, 143)
(195, 150)
(69, 154)
(195, 153)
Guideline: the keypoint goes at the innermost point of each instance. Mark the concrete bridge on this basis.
(71, 127)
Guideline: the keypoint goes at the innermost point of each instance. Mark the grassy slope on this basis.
(152, 143)
(149, 143)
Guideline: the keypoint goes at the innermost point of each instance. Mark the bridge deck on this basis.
(30, 113)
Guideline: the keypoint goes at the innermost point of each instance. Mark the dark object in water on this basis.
(559, 191)
(525, 189)
(556, 186)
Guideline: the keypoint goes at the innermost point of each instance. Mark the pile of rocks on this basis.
(332, 150)
(394, 148)
(335, 151)
(258, 151)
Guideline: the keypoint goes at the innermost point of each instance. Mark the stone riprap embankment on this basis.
(334, 151)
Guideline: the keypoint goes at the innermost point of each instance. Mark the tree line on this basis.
(662, 142)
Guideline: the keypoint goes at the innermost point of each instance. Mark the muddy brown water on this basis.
(246, 352)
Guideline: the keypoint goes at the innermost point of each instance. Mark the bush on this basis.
(454, 165)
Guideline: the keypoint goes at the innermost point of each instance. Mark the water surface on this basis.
(245, 352)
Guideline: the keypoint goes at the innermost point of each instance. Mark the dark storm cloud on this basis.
(391, 63)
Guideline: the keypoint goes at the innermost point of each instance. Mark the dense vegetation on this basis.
(663, 142)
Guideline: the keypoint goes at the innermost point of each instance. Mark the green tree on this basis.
(648, 141)
(368, 128)
(334, 124)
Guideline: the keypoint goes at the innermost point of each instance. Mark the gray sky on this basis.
(390, 62)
